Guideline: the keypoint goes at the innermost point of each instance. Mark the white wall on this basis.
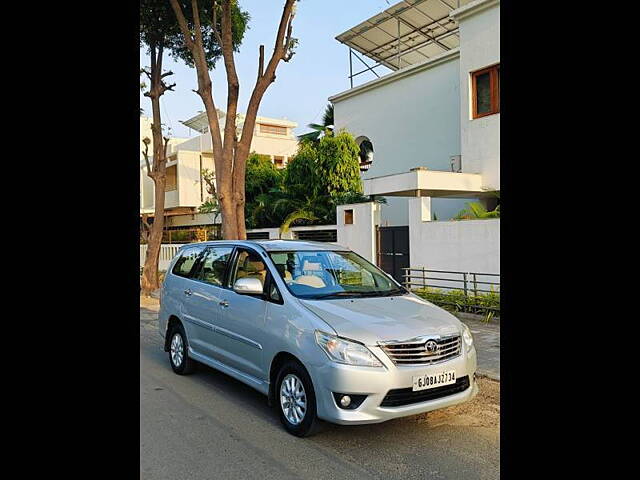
(479, 48)
(465, 245)
(274, 233)
(412, 118)
(361, 235)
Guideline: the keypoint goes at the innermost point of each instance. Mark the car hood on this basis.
(375, 319)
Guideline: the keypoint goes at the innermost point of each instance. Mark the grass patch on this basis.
(487, 304)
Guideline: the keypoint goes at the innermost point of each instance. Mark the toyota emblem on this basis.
(431, 346)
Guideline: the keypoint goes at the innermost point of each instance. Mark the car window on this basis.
(273, 292)
(215, 265)
(249, 264)
(185, 263)
(329, 274)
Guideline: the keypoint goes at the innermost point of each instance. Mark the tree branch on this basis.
(182, 23)
(261, 62)
(233, 85)
(145, 153)
(166, 142)
(196, 22)
(268, 76)
(215, 24)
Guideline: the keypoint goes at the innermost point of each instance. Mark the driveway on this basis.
(208, 425)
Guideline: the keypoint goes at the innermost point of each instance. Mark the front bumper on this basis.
(376, 382)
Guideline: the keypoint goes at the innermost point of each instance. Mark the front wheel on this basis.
(296, 400)
(178, 352)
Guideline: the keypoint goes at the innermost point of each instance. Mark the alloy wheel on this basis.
(177, 349)
(293, 399)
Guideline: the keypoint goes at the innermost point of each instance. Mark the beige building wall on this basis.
(146, 183)
(191, 155)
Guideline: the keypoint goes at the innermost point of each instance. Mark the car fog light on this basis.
(349, 401)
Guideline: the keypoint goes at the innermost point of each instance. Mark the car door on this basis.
(207, 293)
(178, 287)
(242, 324)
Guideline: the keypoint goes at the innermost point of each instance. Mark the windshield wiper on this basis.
(397, 291)
(376, 293)
(335, 294)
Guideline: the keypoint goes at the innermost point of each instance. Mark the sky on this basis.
(319, 69)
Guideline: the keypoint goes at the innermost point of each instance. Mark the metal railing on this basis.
(167, 252)
(474, 285)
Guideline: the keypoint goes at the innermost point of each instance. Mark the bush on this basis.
(457, 301)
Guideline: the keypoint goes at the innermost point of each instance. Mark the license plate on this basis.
(434, 380)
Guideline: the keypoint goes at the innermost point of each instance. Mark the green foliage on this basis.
(301, 176)
(318, 129)
(475, 211)
(263, 181)
(319, 177)
(345, 198)
(301, 214)
(457, 301)
(338, 164)
(159, 27)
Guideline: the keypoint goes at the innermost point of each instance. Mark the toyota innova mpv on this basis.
(319, 330)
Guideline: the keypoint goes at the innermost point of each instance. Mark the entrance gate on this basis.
(393, 250)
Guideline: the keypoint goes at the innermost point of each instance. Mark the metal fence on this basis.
(474, 285)
(167, 252)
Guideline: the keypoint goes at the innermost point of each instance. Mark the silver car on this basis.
(315, 327)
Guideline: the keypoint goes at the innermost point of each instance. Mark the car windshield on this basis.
(332, 274)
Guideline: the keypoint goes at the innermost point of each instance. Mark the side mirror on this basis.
(248, 286)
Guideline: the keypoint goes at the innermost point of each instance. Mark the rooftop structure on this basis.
(407, 33)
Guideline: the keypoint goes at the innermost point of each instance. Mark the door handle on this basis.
(188, 292)
(224, 303)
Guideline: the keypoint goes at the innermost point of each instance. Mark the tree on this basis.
(477, 211)
(262, 179)
(156, 32)
(160, 33)
(230, 152)
(338, 164)
(319, 129)
(319, 177)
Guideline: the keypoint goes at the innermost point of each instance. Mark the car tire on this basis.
(296, 376)
(179, 352)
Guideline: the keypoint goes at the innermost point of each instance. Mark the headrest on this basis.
(256, 266)
(311, 266)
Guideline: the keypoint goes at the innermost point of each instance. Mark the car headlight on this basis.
(343, 351)
(466, 334)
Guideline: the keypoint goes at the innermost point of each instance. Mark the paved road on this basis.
(486, 337)
(208, 425)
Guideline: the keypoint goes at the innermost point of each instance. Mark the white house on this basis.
(185, 189)
(429, 132)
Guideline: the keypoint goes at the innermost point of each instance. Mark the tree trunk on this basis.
(157, 171)
(150, 280)
(230, 155)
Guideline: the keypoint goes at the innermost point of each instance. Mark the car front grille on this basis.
(415, 352)
(406, 396)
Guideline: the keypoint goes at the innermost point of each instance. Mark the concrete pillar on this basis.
(419, 209)
(360, 234)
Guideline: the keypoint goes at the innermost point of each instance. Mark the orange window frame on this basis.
(494, 87)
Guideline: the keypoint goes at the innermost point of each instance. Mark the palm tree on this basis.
(301, 214)
(475, 210)
(319, 129)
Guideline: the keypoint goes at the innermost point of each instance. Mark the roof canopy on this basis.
(409, 32)
(200, 122)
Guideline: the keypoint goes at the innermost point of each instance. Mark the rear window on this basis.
(184, 265)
